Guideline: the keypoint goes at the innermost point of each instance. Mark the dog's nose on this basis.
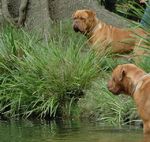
(109, 85)
(75, 27)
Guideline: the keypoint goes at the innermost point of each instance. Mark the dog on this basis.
(102, 35)
(133, 81)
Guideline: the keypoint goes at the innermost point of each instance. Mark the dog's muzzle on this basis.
(75, 27)
(115, 91)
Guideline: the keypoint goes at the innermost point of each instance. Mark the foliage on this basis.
(43, 79)
(145, 59)
(107, 108)
(131, 9)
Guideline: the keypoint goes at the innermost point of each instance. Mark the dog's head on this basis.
(115, 83)
(124, 77)
(83, 20)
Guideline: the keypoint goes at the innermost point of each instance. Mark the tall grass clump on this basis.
(144, 59)
(44, 79)
(144, 62)
(107, 108)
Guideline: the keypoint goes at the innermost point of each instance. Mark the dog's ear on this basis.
(122, 73)
(91, 13)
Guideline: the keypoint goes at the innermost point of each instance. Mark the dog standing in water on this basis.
(133, 81)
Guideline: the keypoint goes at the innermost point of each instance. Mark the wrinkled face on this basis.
(83, 20)
(115, 83)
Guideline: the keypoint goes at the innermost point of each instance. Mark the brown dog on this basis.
(101, 34)
(133, 81)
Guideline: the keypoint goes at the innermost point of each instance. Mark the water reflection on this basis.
(67, 131)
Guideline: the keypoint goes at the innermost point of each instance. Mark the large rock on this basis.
(40, 13)
(60, 9)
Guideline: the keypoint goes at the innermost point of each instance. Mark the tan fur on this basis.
(146, 138)
(101, 34)
(133, 81)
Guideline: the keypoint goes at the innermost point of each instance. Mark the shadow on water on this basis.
(66, 131)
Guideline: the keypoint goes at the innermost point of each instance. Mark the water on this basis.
(66, 131)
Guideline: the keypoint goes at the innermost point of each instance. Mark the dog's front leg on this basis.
(147, 127)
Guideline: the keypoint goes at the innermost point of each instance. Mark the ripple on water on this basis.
(66, 131)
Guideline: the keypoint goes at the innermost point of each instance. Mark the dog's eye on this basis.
(82, 18)
(113, 79)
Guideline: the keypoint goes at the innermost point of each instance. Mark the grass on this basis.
(107, 108)
(43, 79)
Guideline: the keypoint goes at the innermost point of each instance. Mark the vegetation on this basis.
(44, 79)
(130, 9)
(106, 108)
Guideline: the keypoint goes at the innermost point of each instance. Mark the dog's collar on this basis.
(139, 83)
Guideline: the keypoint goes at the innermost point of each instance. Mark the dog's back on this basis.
(121, 40)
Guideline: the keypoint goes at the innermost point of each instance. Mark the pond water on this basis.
(66, 131)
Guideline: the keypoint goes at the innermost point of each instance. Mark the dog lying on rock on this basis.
(101, 35)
